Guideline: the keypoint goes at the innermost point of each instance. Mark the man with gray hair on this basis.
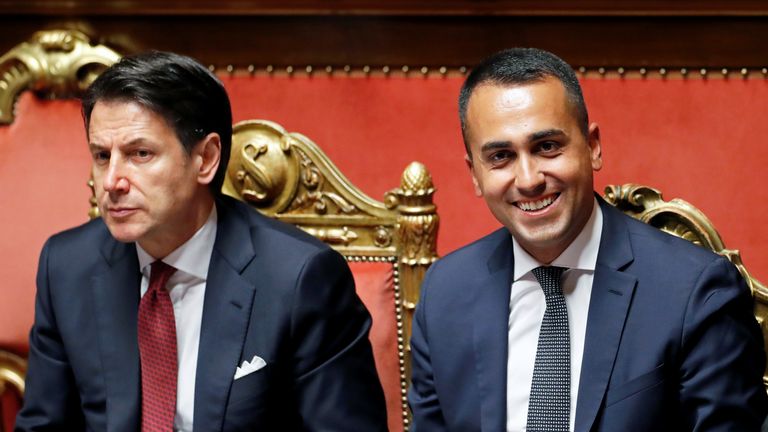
(180, 308)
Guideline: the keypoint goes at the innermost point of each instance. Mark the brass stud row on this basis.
(400, 343)
(703, 72)
(367, 258)
(443, 71)
(400, 326)
(252, 69)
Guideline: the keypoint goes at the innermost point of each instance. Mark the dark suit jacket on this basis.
(671, 341)
(271, 291)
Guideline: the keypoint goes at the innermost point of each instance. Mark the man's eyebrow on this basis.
(132, 143)
(495, 145)
(547, 133)
(95, 146)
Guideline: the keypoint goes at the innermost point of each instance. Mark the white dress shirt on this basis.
(187, 291)
(527, 304)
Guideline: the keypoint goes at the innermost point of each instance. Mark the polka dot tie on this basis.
(157, 349)
(550, 404)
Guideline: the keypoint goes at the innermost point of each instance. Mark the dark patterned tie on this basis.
(550, 403)
(157, 348)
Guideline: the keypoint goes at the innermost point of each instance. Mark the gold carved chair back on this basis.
(13, 369)
(287, 177)
(54, 64)
(679, 218)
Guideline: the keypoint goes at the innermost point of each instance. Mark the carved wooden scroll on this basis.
(54, 64)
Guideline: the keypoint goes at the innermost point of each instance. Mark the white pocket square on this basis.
(249, 367)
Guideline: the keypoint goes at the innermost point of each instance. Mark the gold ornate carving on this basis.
(315, 194)
(12, 372)
(676, 217)
(417, 226)
(54, 64)
(679, 218)
(382, 237)
(286, 176)
(418, 221)
(93, 210)
(334, 236)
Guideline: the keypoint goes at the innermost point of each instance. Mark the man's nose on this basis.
(528, 177)
(114, 177)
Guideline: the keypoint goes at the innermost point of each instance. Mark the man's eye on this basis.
(500, 156)
(548, 146)
(101, 156)
(142, 154)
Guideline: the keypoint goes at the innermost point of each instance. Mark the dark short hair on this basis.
(522, 66)
(187, 95)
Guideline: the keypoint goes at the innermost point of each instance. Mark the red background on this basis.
(700, 140)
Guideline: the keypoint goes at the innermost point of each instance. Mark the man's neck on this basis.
(546, 255)
(169, 241)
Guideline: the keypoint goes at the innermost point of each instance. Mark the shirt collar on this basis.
(580, 254)
(192, 257)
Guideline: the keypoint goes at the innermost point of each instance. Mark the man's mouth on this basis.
(120, 211)
(536, 205)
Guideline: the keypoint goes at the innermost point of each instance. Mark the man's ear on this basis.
(207, 156)
(595, 148)
(468, 160)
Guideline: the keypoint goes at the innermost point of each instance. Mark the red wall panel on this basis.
(44, 167)
(700, 140)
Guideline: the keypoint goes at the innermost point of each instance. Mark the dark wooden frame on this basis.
(455, 33)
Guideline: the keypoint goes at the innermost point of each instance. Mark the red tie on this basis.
(157, 348)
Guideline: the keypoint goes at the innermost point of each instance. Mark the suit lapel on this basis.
(116, 298)
(491, 312)
(226, 313)
(612, 291)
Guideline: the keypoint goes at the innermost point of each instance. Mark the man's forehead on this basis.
(511, 91)
(117, 102)
(113, 111)
(110, 112)
(126, 123)
(494, 100)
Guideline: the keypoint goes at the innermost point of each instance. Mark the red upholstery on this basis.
(10, 403)
(375, 286)
(44, 166)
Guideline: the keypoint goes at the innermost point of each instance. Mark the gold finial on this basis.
(416, 179)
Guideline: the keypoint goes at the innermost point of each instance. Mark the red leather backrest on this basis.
(44, 166)
(375, 286)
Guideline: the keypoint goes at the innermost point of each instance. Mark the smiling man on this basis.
(182, 309)
(573, 316)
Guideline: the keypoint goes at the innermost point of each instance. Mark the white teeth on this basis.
(536, 205)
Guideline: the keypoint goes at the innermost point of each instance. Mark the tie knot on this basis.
(159, 275)
(549, 279)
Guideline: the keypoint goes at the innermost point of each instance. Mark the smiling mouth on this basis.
(533, 206)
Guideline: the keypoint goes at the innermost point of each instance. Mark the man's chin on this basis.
(126, 239)
(540, 231)
(124, 234)
(545, 240)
